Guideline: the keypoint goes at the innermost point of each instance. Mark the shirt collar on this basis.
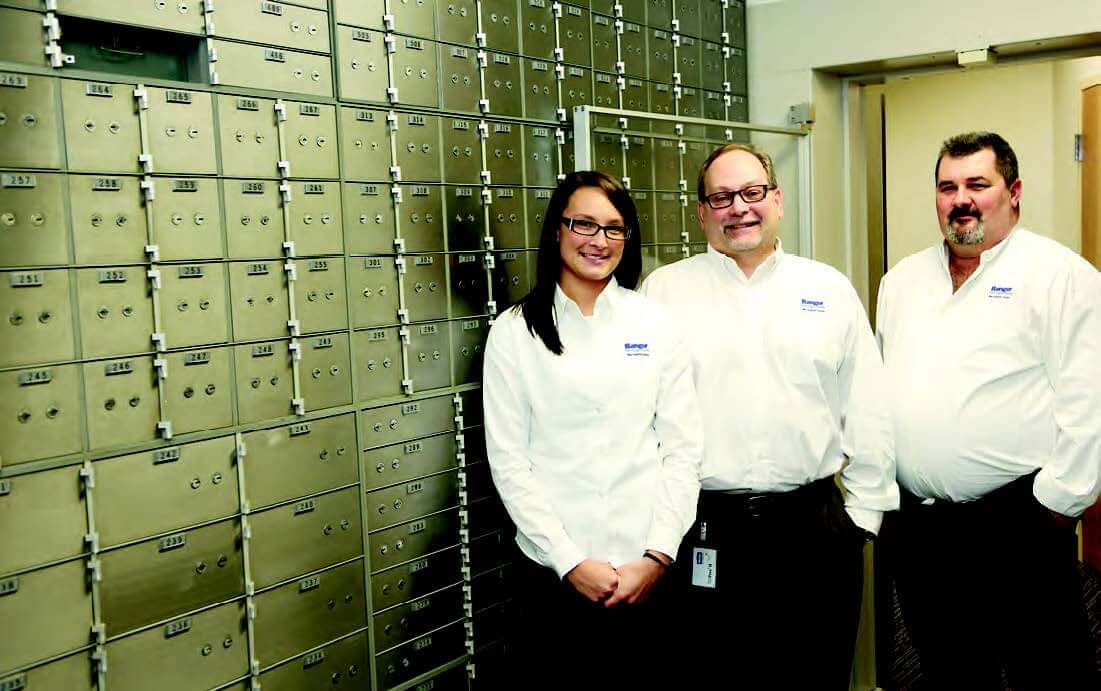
(767, 267)
(987, 256)
(605, 302)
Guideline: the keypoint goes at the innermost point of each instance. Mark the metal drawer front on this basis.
(40, 413)
(250, 147)
(576, 88)
(414, 17)
(273, 23)
(503, 153)
(264, 380)
(416, 73)
(492, 550)
(275, 69)
(360, 12)
(187, 219)
(29, 100)
(637, 96)
(101, 126)
(316, 218)
(494, 623)
(429, 356)
(374, 291)
(326, 371)
(573, 35)
(669, 217)
(468, 338)
(193, 304)
(307, 612)
(320, 295)
(199, 651)
(416, 617)
(310, 134)
(464, 218)
(462, 151)
(259, 293)
(459, 79)
(51, 609)
(493, 587)
(366, 144)
(305, 536)
(41, 518)
(121, 400)
(418, 147)
(632, 50)
(537, 201)
(168, 576)
(401, 462)
(181, 131)
(32, 212)
(421, 218)
(502, 84)
(640, 162)
(540, 156)
(338, 665)
(361, 64)
(487, 515)
(416, 578)
(108, 216)
(368, 218)
(540, 90)
(173, 16)
(419, 656)
(413, 540)
(170, 488)
(197, 389)
(501, 25)
(394, 423)
(511, 276)
(425, 286)
(254, 218)
(303, 458)
(386, 507)
(537, 29)
(458, 21)
(73, 673)
(38, 325)
(378, 362)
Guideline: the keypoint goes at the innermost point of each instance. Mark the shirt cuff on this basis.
(1056, 498)
(564, 559)
(664, 541)
(866, 518)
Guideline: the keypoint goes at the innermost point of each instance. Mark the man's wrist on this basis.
(662, 560)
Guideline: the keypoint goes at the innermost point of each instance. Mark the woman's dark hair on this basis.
(538, 305)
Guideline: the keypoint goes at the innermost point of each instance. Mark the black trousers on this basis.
(565, 641)
(989, 585)
(786, 607)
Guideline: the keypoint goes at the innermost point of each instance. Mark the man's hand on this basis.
(1065, 521)
(596, 580)
(636, 578)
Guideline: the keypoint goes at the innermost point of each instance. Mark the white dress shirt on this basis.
(595, 452)
(788, 376)
(1001, 377)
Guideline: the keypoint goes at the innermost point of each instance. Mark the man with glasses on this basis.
(789, 381)
(992, 345)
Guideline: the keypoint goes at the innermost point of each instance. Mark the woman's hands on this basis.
(596, 580)
(631, 583)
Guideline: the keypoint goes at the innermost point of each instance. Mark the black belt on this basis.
(809, 497)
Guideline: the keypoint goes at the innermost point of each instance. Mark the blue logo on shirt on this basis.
(636, 349)
(1000, 292)
(809, 305)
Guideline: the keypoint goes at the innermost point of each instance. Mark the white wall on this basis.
(789, 39)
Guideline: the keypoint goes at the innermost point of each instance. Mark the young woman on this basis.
(594, 445)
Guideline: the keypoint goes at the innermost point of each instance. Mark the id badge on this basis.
(704, 567)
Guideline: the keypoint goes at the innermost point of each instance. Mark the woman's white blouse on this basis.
(595, 452)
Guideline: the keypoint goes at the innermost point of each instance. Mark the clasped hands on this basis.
(600, 582)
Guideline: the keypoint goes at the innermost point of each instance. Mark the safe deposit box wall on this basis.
(249, 254)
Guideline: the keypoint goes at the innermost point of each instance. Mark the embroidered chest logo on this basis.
(636, 349)
(1000, 292)
(812, 305)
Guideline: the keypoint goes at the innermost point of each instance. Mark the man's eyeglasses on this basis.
(590, 228)
(749, 195)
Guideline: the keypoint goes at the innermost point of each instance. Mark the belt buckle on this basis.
(756, 505)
